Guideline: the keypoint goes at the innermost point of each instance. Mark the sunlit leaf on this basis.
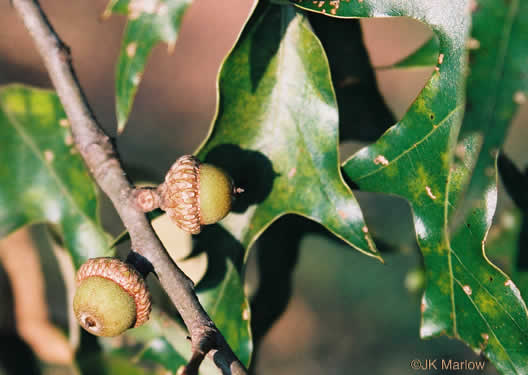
(42, 177)
(276, 131)
(149, 22)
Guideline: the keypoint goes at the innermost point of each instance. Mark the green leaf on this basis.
(424, 56)
(466, 296)
(149, 22)
(486, 302)
(42, 177)
(276, 131)
(497, 85)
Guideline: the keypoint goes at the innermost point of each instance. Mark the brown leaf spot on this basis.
(430, 193)
(380, 159)
(131, 49)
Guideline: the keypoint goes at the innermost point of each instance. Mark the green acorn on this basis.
(111, 297)
(195, 194)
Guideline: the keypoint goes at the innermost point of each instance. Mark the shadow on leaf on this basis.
(250, 170)
(220, 246)
(265, 44)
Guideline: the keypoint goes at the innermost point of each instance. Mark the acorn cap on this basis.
(124, 275)
(180, 194)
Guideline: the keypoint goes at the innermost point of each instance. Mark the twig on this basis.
(99, 155)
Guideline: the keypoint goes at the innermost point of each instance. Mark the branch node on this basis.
(147, 199)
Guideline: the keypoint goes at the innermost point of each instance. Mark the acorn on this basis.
(111, 297)
(195, 194)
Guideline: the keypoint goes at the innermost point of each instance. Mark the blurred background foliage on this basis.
(347, 313)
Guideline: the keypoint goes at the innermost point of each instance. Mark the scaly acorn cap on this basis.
(190, 202)
(122, 274)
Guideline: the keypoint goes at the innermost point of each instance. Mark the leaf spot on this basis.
(342, 214)
(440, 59)
(292, 172)
(380, 159)
(364, 229)
(467, 290)
(131, 49)
(473, 44)
(64, 122)
(484, 344)
(49, 156)
(430, 193)
(335, 3)
(519, 97)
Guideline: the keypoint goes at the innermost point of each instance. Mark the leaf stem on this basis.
(99, 155)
